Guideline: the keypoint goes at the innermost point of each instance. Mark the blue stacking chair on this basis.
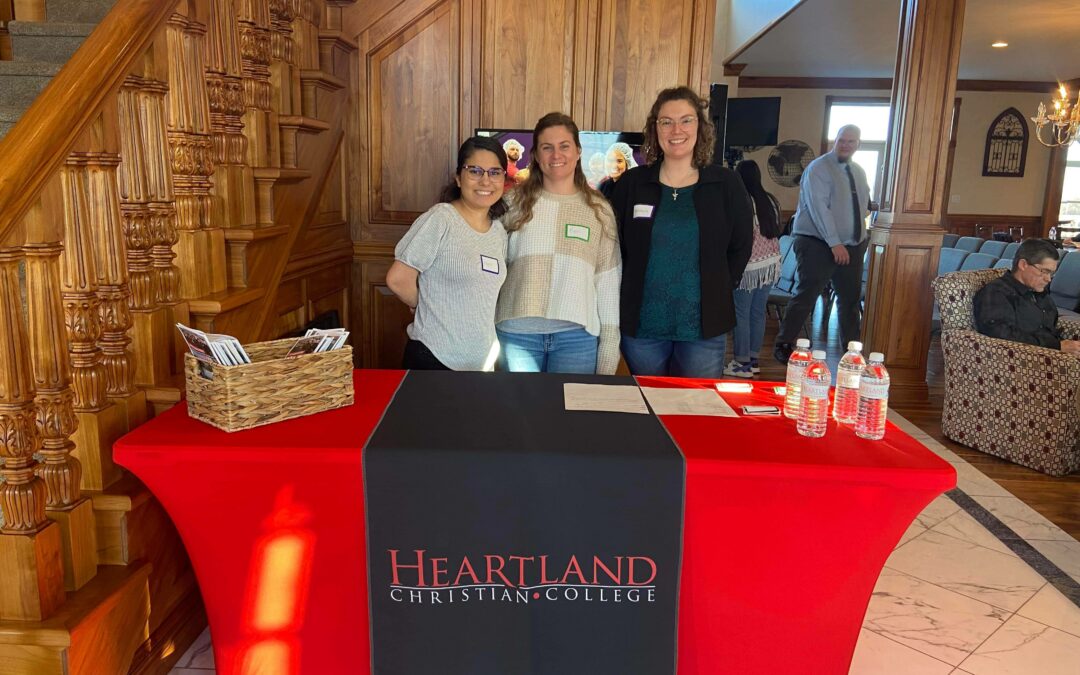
(1010, 250)
(784, 288)
(969, 244)
(1065, 288)
(994, 248)
(950, 240)
(1003, 264)
(978, 261)
(950, 260)
(785, 245)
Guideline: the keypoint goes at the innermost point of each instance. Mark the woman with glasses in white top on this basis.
(686, 232)
(451, 263)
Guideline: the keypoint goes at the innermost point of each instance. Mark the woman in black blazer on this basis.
(686, 232)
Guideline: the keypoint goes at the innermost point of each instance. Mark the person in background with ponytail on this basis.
(451, 263)
(559, 309)
(758, 278)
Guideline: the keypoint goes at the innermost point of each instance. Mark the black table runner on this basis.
(507, 536)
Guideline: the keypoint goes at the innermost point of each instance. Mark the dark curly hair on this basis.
(706, 133)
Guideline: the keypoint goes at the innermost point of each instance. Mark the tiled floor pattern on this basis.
(953, 599)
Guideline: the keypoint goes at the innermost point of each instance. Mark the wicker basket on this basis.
(270, 388)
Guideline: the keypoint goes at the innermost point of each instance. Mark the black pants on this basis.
(419, 357)
(815, 267)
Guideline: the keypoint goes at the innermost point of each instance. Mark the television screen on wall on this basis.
(603, 153)
(752, 122)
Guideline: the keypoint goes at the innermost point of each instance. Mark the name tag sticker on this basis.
(581, 232)
(643, 210)
(489, 264)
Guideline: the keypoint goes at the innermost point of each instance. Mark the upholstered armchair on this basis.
(1007, 399)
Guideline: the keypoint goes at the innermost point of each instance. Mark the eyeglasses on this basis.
(667, 124)
(477, 172)
(1049, 274)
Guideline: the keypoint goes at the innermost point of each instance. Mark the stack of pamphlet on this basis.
(211, 348)
(317, 340)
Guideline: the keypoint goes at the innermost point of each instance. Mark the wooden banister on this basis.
(38, 144)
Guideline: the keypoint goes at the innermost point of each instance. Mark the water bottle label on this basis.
(795, 373)
(873, 390)
(848, 379)
(815, 390)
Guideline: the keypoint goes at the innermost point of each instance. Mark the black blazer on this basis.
(726, 238)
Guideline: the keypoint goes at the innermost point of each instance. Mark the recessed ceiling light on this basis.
(1000, 44)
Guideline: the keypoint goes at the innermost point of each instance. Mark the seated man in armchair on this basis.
(1017, 307)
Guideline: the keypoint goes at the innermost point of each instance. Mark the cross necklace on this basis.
(675, 190)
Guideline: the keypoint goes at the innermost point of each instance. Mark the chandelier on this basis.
(1062, 125)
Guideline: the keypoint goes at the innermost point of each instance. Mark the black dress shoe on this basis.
(782, 351)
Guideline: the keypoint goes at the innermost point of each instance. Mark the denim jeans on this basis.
(750, 322)
(568, 351)
(699, 358)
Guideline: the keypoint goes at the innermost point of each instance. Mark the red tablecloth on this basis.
(784, 536)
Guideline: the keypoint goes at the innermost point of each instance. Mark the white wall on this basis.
(748, 17)
(802, 117)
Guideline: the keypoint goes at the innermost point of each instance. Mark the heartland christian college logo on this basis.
(423, 579)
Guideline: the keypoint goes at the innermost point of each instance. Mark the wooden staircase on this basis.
(164, 161)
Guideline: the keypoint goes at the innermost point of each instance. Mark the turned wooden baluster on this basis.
(201, 254)
(255, 50)
(22, 493)
(282, 13)
(52, 376)
(233, 193)
(111, 266)
(135, 196)
(82, 307)
(162, 199)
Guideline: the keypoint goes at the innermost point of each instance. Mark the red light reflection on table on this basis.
(276, 598)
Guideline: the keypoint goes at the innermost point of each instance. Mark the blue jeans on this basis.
(750, 322)
(568, 351)
(700, 358)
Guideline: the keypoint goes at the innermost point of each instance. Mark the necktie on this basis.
(855, 209)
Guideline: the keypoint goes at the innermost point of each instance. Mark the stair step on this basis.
(96, 630)
(77, 11)
(132, 526)
(50, 42)
(22, 81)
(9, 115)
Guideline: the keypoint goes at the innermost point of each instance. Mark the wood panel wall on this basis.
(430, 71)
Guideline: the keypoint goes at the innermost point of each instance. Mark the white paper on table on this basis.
(681, 401)
(624, 398)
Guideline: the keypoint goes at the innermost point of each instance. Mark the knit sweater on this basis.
(564, 264)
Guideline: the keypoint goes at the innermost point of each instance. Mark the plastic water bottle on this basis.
(873, 399)
(796, 366)
(1052, 234)
(846, 401)
(814, 405)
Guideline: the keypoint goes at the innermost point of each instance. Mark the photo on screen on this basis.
(605, 155)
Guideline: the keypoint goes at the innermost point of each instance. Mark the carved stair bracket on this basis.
(22, 494)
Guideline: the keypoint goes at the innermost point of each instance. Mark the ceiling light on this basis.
(1000, 44)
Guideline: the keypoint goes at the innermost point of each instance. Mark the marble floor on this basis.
(980, 584)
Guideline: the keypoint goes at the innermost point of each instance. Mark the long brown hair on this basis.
(526, 194)
(706, 134)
